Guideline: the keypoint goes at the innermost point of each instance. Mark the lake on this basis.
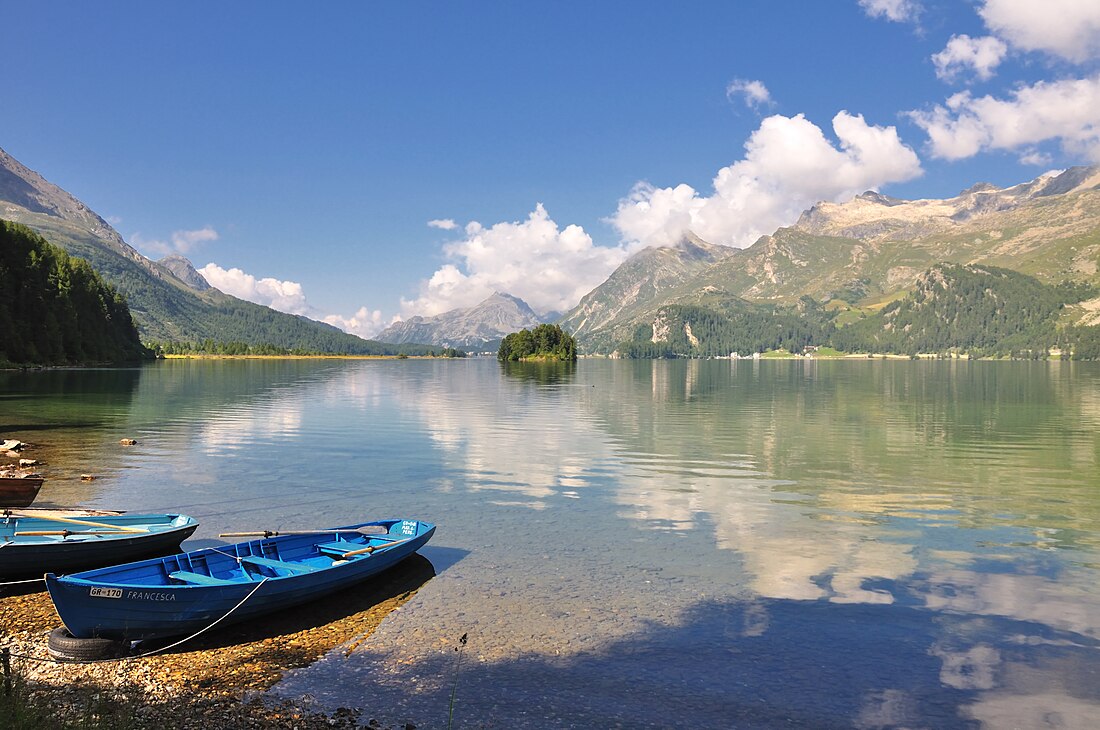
(696, 544)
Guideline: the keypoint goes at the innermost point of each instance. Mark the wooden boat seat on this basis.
(338, 548)
(277, 564)
(198, 578)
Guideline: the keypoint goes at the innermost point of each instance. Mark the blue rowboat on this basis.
(185, 593)
(31, 546)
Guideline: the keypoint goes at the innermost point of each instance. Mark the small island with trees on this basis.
(547, 342)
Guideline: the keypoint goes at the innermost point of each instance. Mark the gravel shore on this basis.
(214, 680)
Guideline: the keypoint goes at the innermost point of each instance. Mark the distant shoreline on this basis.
(199, 356)
(773, 355)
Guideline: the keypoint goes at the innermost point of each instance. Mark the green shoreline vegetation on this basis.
(212, 348)
(56, 310)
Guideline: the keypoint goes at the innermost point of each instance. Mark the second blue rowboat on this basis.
(185, 593)
(63, 542)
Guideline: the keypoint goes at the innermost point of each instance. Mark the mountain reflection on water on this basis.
(674, 544)
(842, 544)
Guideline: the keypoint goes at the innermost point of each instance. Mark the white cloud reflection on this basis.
(240, 427)
(688, 455)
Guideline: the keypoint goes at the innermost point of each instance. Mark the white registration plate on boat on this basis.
(101, 592)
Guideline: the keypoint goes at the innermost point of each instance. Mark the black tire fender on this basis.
(63, 645)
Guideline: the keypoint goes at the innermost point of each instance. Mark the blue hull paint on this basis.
(184, 593)
(24, 556)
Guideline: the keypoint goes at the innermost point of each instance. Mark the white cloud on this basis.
(1069, 29)
(1036, 157)
(184, 241)
(289, 297)
(788, 166)
(285, 296)
(1067, 111)
(444, 224)
(963, 53)
(365, 323)
(548, 267)
(180, 242)
(898, 11)
(754, 93)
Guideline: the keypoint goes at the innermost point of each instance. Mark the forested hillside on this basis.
(973, 310)
(55, 310)
(980, 310)
(695, 331)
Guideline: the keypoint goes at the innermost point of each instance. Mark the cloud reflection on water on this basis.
(853, 544)
(824, 509)
(752, 664)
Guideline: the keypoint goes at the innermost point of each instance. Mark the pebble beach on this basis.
(215, 680)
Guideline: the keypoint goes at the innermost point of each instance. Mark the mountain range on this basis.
(840, 262)
(857, 256)
(479, 328)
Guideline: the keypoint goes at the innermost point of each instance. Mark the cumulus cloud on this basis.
(963, 54)
(1036, 157)
(184, 241)
(549, 267)
(444, 224)
(1069, 29)
(753, 93)
(180, 242)
(365, 323)
(289, 297)
(1066, 111)
(898, 11)
(285, 296)
(788, 166)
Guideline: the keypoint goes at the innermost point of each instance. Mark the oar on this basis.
(370, 549)
(70, 532)
(89, 523)
(366, 530)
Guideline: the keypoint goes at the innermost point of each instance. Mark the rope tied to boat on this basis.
(19, 582)
(227, 614)
(238, 558)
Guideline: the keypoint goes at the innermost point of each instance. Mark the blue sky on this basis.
(296, 152)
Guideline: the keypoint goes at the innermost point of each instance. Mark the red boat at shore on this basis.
(18, 489)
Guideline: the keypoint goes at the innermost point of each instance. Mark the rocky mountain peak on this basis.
(876, 218)
(23, 191)
(182, 269)
(1070, 181)
(504, 299)
(982, 187)
(479, 327)
(629, 291)
(873, 196)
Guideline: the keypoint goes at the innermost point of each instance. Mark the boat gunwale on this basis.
(164, 528)
(255, 550)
